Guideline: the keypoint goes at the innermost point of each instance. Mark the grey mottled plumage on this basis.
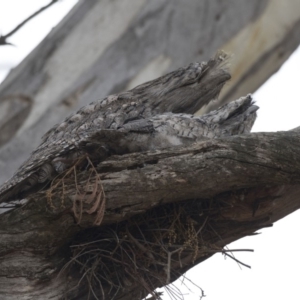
(156, 114)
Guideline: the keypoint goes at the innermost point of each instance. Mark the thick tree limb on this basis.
(165, 210)
(234, 186)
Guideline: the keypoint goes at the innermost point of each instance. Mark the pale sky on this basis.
(276, 261)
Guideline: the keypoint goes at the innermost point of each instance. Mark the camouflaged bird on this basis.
(154, 115)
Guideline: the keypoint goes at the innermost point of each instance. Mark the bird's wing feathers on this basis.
(121, 122)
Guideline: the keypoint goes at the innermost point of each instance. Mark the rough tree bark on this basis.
(103, 47)
(224, 189)
(217, 191)
(118, 228)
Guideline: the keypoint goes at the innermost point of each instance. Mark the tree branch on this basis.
(207, 195)
(3, 38)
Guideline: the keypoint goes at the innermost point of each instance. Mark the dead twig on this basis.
(238, 261)
(3, 38)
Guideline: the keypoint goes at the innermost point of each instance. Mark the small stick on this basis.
(4, 37)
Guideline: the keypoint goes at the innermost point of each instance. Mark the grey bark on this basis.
(104, 47)
(118, 227)
(234, 185)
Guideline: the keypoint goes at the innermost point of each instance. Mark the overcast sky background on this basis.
(275, 263)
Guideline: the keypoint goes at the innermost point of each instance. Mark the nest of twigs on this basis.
(148, 250)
